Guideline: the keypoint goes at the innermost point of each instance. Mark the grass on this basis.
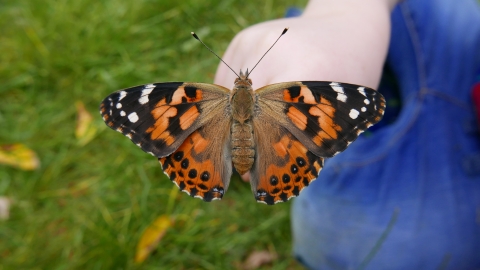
(87, 206)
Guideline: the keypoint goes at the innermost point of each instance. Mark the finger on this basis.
(245, 177)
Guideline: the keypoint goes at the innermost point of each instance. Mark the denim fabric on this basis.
(408, 195)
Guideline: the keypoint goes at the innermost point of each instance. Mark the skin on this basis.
(344, 41)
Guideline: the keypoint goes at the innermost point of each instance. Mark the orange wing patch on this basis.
(305, 106)
(189, 117)
(325, 113)
(280, 182)
(167, 112)
(161, 113)
(192, 174)
(298, 94)
(297, 117)
(186, 94)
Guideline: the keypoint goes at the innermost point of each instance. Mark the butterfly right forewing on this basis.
(325, 116)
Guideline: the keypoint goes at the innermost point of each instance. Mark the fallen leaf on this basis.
(151, 237)
(19, 155)
(259, 258)
(4, 208)
(85, 130)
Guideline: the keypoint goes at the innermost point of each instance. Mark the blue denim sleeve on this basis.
(408, 195)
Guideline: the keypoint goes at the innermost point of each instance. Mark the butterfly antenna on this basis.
(283, 33)
(197, 38)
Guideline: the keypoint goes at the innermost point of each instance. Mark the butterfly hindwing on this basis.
(283, 165)
(200, 166)
(324, 116)
(158, 117)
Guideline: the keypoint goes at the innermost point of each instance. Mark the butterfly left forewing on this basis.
(159, 117)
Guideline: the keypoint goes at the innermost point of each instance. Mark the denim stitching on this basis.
(417, 47)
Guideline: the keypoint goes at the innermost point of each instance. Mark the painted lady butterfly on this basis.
(280, 133)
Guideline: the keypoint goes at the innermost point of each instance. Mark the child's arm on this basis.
(333, 40)
(344, 41)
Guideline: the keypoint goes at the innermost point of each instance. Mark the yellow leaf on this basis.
(151, 237)
(85, 130)
(18, 155)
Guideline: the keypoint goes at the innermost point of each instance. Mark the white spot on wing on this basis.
(366, 101)
(119, 105)
(364, 109)
(133, 117)
(353, 114)
(129, 136)
(122, 113)
(144, 98)
(341, 94)
(122, 95)
(362, 90)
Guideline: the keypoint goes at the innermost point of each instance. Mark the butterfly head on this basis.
(243, 79)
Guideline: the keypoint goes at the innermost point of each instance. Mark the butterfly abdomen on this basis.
(243, 144)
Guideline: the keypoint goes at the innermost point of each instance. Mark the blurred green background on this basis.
(87, 206)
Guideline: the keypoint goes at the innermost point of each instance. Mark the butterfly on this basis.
(280, 133)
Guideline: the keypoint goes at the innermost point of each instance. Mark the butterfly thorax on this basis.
(242, 140)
